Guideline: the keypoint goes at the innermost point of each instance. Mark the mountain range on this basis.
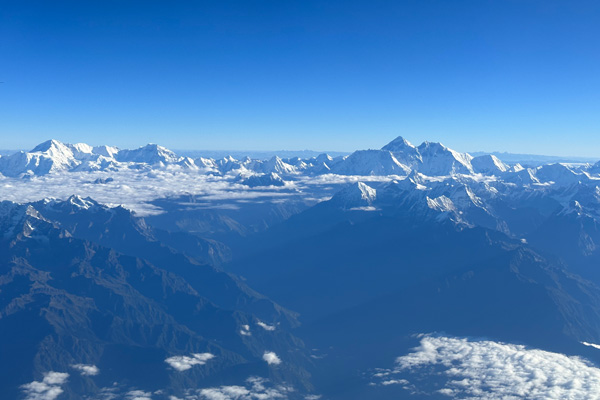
(143, 273)
(399, 157)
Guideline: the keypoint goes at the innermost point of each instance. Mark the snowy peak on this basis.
(324, 158)
(81, 203)
(371, 162)
(438, 160)
(488, 164)
(398, 144)
(356, 196)
(149, 154)
(270, 179)
(276, 165)
(404, 151)
(559, 174)
(441, 204)
(19, 219)
(51, 146)
(106, 151)
(50, 156)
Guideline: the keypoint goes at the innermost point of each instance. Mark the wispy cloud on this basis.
(591, 345)
(182, 363)
(482, 369)
(47, 389)
(266, 327)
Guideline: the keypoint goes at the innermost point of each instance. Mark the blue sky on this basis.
(520, 76)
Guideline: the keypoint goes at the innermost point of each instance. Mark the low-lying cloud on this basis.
(86, 369)
(482, 369)
(271, 358)
(266, 327)
(255, 388)
(182, 363)
(48, 388)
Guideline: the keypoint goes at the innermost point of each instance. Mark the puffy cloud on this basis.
(48, 389)
(271, 358)
(266, 327)
(482, 369)
(86, 369)
(182, 363)
(245, 331)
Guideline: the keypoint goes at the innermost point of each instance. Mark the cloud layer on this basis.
(469, 369)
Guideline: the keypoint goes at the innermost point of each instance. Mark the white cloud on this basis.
(138, 395)
(48, 389)
(271, 358)
(135, 189)
(255, 389)
(245, 331)
(86, 369)
(591, 345)
(395, 382)
(266, 327)
(480, 369)
(182, 363)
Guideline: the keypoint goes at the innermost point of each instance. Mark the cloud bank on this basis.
(477, 370)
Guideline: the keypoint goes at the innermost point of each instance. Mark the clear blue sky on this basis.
(520, 76)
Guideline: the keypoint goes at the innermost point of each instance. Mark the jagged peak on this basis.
(80, 202)
(488, 163)
(432, 146)
(151, 153)
(49, 145)
(441, 203)
(357, 194)
(323, 158)
(398, 144)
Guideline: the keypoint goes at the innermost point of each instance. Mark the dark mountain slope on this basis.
(67, 301)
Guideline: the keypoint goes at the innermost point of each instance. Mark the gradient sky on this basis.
(519, 76)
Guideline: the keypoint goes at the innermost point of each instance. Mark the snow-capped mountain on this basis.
(440, 160)
(370, 162)
(404, 151)
(356, 196)
(270, 179)
(149, 154)
(398, 158)
(488, 165)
